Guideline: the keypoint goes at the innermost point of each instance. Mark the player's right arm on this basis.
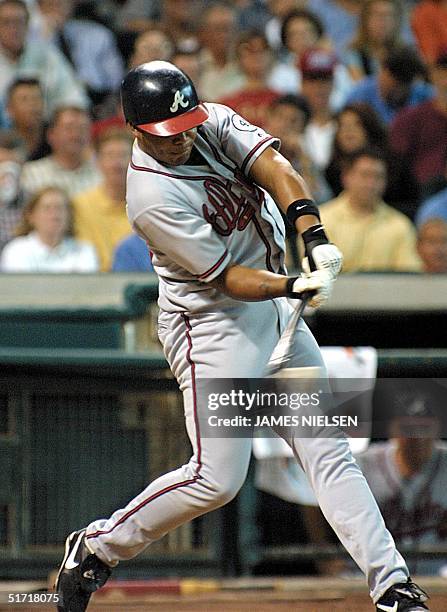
(252, 285)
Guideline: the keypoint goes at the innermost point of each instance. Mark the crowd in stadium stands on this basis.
(355, 89)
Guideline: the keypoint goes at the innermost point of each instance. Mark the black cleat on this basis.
(81, 573)
(403, 597)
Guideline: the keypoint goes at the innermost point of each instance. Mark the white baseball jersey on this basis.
(196, 219)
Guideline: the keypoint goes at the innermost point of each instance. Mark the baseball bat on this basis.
(283, 352)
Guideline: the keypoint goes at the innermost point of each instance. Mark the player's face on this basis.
(170, 150)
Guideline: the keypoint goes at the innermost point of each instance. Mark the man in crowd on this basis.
(21, 56)
(397, 85)
(419, 133)
(100, 211)
(25, 112)
(371, 234)
(431, 222)
(70, 165)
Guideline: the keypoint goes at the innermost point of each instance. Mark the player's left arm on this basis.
(275, 174)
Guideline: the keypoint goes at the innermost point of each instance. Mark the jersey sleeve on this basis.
(185, 238)
(241, 141)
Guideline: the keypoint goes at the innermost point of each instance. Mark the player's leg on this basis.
(205, 346)
(202, 346)
(344, 495)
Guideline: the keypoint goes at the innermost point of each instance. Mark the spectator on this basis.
(432, 245)
(279, 9)
(429, 23)
(132, 255)
(152, 44)
(11, 196)
(370, 234)
(22, 57)
(287, 118)
(301, 31)
(418, 135)
(358, 126)
(408, 478)
(255, 59)
(220, 76)
(89, 47)
(431, 221)
(397, 85)
(100, 212)
(378, 31)
(70, 165)
(25, 111)
(45, 240)
(317, 69)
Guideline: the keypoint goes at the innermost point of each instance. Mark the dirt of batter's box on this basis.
(245, 603)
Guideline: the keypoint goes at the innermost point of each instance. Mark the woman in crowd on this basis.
(378, 31)
(358, 126)
(44, 241)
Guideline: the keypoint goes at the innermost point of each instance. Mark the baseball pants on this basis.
(238, 343)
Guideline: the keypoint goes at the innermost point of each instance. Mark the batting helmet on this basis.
(159, 98)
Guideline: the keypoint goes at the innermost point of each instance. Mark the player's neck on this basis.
(196, 158)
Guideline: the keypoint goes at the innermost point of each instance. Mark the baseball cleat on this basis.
(403, 597)
(80, 574)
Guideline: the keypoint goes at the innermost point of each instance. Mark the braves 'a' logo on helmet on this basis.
(179, 99)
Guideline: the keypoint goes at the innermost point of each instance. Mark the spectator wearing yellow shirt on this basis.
(371, 235)
(100, 213)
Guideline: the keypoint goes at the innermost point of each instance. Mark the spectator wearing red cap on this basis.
(418, 135)
(302, 30)
(317, 69)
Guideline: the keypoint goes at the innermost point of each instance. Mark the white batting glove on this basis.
(322, 254)
(318, 282)
(326, 257)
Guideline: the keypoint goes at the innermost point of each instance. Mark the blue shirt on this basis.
(434, 207)
(132, 255)
(367, 90)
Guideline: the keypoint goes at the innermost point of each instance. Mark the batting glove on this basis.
(317, 284)
(320, 253)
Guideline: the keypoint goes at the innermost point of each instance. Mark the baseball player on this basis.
(203, 190)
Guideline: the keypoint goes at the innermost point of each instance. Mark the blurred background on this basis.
(89, 413)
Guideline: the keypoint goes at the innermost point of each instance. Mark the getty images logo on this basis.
(179, 100)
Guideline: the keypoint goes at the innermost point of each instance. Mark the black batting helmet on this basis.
(159, 98)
